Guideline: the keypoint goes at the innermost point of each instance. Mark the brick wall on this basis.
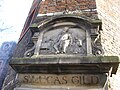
(108, 11)
(51, 6)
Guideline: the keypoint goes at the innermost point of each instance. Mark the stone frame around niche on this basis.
(91, 27)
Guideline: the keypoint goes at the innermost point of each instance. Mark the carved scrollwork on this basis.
(29, 52)
(96, 46)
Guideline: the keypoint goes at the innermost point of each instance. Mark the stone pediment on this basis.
(66, 34)
(42, 21)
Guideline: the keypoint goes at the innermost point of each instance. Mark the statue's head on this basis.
(66, 29)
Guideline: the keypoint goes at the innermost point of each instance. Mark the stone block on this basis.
(62, 81)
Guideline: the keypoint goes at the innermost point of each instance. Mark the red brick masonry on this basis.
(51, 6)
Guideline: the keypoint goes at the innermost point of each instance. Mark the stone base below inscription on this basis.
(58, 89)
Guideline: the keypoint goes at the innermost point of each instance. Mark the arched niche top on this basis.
(73, 20)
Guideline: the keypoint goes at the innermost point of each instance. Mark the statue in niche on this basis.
(64, 41)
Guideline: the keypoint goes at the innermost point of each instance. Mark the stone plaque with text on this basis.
(67, 80)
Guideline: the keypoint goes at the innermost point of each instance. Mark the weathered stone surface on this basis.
(62, 81)
(57, 89)
(10, 80)
(82, 31)
(65, 64)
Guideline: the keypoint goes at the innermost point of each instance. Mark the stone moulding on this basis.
(66, 64)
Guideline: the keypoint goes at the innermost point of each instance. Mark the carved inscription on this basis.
(60, 80)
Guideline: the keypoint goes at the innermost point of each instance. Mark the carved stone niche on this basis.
(65, 47)
(66, 35)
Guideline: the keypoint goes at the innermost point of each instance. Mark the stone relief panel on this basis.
(66, 36)
(64, 40)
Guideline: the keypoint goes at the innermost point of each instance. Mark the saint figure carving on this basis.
(64, 41)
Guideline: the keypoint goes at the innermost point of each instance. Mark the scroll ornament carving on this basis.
(96, 46)
(29, 52)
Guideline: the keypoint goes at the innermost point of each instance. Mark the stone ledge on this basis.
(65, 64)
(64, 59)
